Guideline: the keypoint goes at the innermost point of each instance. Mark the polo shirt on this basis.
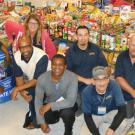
(125, 69)
(82, 62)
(112, 99)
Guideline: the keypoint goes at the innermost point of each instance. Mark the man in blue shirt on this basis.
(125, 70)
(100, 102)
(29, 63)
(83, 56)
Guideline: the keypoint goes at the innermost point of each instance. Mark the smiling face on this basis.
(58, 67)
(33, 25)
(25, 47)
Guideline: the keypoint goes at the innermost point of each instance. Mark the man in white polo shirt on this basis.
(29, 63)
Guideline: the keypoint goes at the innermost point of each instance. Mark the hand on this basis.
(44, 108)
(89, 81)
(45, 128)
(26, 96)
(133, 93)
(1, 89)
(14, 93)
(109, 132)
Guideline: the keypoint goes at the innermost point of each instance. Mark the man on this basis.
(100, 103)
(58, 89)
(83, 56)
(125, 70)
(29, 63)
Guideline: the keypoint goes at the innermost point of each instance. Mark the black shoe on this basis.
(27, 120)
(68, 133)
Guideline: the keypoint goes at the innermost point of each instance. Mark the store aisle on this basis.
(12, 117)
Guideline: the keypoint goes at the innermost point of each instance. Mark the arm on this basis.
(87, 109)
(90, 124)
(41, 67)
(12, 28)
(5, 50)
(70, 67)
(48, 45)
(87, 81)
(120, 104)
(119, 75)
(39, 95)
(125, 86)
(26, 85)
(118, 117)
(24, 93)
(70, 99)
(22, 87)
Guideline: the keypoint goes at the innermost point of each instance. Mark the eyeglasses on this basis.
(33, 23)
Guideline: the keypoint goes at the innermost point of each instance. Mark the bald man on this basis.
(125, 70)
(29, 63)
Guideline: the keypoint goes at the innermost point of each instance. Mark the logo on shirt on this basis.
(92, 53)
(108, 97)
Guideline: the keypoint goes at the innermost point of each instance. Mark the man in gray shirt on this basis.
(56, 94)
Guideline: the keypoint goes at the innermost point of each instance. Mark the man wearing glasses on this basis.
(103, 106)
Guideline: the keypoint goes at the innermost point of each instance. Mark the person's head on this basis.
(82, 33)
(131, 45)
(101, 79)
(58, 65)
(33, 25)
(25, 46)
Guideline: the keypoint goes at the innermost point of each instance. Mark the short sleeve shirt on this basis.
(82, 62)
(126, 69)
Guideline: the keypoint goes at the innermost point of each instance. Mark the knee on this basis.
(67, 114)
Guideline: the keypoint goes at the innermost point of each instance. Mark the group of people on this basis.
(78, 81)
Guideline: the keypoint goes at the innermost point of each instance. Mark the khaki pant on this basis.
(103, 122)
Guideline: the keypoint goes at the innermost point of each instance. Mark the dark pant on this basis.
(31, 115)
(67, 115)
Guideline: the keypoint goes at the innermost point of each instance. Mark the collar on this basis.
(86, 50)
(23, 58)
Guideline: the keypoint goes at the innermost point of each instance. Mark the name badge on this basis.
(60, 99)
(101, 110)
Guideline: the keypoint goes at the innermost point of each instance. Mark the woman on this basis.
(5, 64)
(32, 27)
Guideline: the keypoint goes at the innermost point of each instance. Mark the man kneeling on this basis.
(103, 105)
(55, 97)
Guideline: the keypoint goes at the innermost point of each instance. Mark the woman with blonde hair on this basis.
(33, 28)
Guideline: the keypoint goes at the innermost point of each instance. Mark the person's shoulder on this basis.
(113, 84)
(94, 47)
(44, 76)
(39, 51)
(73, 46)
(123, 54)
(45, 33)
(88, 90)
(70, 74)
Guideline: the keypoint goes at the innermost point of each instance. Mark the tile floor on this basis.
(12, 117)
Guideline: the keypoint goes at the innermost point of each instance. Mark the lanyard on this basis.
(102, 99)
